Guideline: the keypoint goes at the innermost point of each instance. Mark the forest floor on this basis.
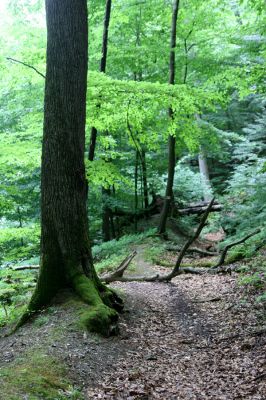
(198, 337)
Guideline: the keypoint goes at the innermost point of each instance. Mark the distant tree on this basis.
(171, 139)
(66, 259)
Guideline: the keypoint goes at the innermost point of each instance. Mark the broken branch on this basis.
(118, 273)
(230, 245)
(175, 271)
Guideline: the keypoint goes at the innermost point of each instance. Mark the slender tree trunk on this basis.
(136, 188)
(171, 140)
(204, 172)
(102, 68)
(145, 181)
(66, 259)
(106, 215)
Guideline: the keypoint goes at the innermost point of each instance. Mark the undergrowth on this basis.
(253, 278)
(16, 287)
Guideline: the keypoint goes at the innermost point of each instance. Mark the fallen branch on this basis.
(118, 273)
(24, 267)
(194, 250)
(26, 65)
(212, 299)
(176, 268)
(230, 245)
(199, 209)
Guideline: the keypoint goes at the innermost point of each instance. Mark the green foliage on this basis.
(217, 104)
(106, 249)
(153, 251)
(246, 196)
(105, 173)
(254, 278)
(17, 244)
(189, 185)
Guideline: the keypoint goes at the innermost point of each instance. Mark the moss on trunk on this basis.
(66, 260)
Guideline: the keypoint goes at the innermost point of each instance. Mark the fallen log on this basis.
(199, 209)
(25, 267)
(204, 253)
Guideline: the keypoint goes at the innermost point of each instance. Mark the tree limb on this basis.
(25, 267)
(26, 65)
(225, 250)
(118, 273)
(194, 250)
(175, 271)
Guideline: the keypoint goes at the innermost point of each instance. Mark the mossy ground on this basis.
(36, 376)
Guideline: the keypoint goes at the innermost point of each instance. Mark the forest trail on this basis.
(192, 339)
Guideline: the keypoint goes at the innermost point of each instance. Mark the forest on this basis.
(132, 200)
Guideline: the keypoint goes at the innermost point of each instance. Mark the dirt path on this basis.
(191, 339)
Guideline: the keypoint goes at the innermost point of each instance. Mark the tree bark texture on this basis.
(66, 259)
(171, 139)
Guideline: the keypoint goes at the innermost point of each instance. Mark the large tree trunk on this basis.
(66, 259)
(171, 139)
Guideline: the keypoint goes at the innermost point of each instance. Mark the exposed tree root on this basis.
(103, 303)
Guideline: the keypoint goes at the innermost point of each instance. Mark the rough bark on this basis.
(171, 139)
(66, 259)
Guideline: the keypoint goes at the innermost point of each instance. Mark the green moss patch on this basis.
(36, 376)
(100, 319)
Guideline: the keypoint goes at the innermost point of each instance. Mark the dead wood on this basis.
(230, 245)
(25, 267)
(199, 209)
(177, 270)
(118, 273)
(212, 299)
(194, 250)
(182, 253)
